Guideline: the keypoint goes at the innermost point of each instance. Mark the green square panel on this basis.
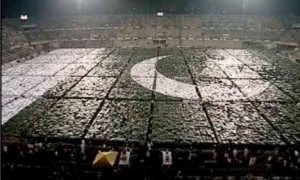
(92, 87)
(22, 123)
(67, 119)
(284, 116)
(120, 121)
(180, 121)
(127, 88)
(61, 87)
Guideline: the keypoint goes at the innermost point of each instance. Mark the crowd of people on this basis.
(12, 37)
(217, 21)
(54, 160)
(16, 44)
(87, 29)
(67, 24)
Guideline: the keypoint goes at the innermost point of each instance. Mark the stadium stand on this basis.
(68, 160)
(12, 38)
(135, 28)
(141, 31)
(18, 44)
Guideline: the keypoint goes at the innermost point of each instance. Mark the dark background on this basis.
(38, 8)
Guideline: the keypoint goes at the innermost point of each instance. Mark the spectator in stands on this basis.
(252, 160)
(5, 154)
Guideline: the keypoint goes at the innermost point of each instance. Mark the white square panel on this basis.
(6, 79)
(44, 69)
(17, 70)
(20, 85)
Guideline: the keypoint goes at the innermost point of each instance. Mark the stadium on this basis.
(194, 89)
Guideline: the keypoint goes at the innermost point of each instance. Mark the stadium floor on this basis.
(185, 96)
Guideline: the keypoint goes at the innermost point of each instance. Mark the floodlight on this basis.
(24, 17)
(160, 14)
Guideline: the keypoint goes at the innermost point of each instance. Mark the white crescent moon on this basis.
(144, 72)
